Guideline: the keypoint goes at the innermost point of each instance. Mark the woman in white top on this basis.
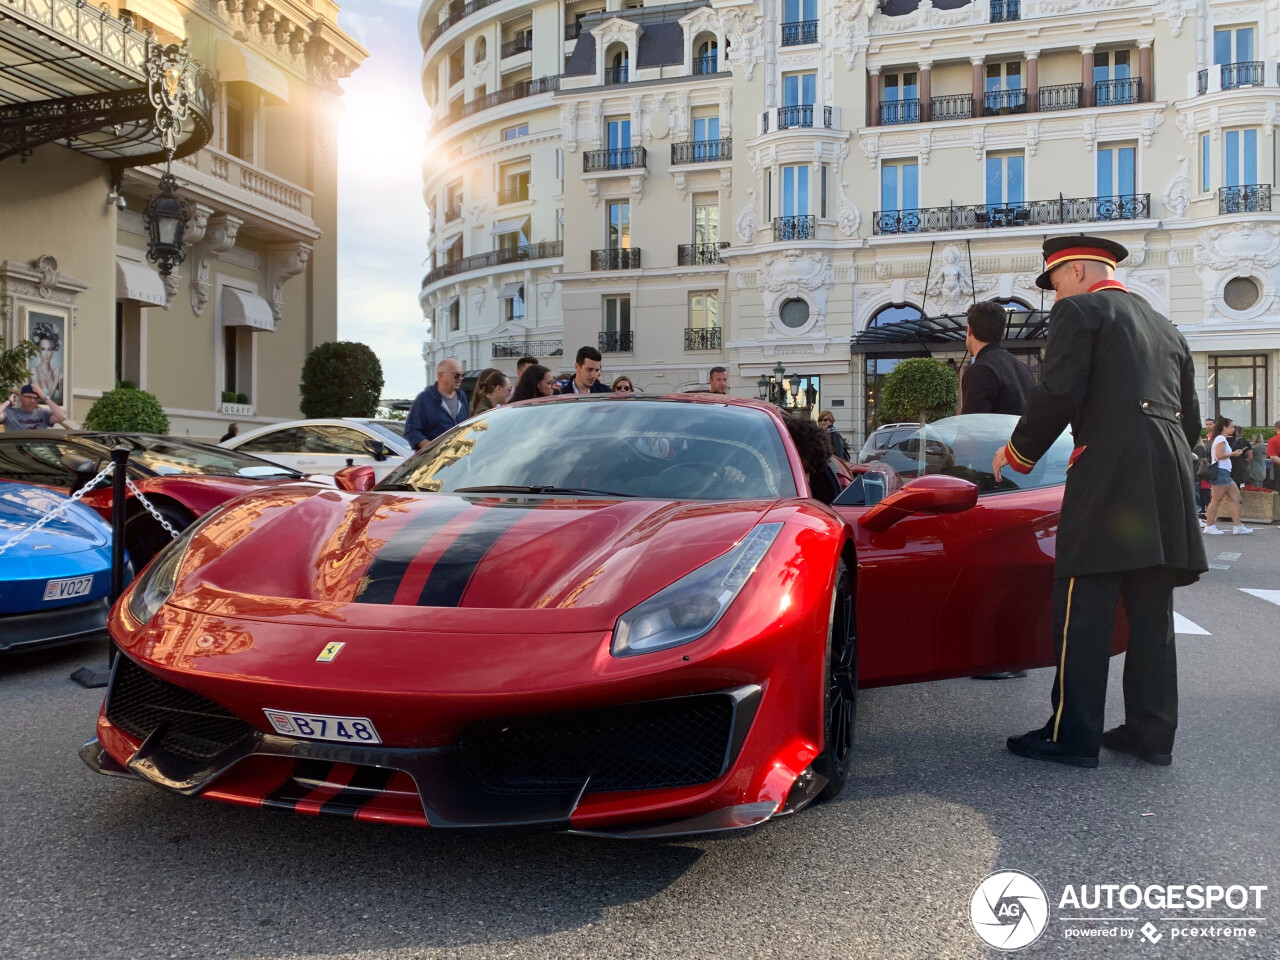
(1223, 485)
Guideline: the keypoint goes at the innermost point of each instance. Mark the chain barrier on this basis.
(172, 530)
(60, 509)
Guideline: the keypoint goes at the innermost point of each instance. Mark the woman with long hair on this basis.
(1223, 486)
(536, 381)
(623, 384)
(492, 390)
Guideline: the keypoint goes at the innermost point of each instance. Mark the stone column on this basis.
(1148, 93)
(1086, 76)
(979, 84)
(1033, 81)
(873, 97)
(926, 85)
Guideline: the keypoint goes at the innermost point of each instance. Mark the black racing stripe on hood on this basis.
(302, 781)
(452, 572)
(389, 566)
(366, 783)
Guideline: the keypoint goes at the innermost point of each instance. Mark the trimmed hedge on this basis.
(127, 410)
(918, 390)
(341, 378)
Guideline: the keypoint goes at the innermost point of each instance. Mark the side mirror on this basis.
(355, 479)
(82, 467)
(936, 493)
(375, 449)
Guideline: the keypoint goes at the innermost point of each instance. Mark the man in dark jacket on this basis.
(1121, 376)
(437, 408)
(586, 373)
(996, 381)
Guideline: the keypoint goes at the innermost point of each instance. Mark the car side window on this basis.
(277, 441)
(35, 461)
(329, 439)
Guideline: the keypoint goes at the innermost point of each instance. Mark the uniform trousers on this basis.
(1084, 611)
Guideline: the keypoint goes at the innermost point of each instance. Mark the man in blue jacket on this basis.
(439, 407)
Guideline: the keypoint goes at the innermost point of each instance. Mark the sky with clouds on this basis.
(382, 220)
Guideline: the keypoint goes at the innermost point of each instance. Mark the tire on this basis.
(840, 688)
(143, 535)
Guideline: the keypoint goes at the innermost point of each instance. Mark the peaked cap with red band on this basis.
(1058, 250)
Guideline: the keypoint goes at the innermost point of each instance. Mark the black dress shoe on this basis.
(1124, 740)
(1003, 675)
(1036, 746)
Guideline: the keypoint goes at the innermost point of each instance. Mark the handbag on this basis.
(1206, 469)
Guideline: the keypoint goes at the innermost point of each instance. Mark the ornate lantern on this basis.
(166, 218)
(170, 87)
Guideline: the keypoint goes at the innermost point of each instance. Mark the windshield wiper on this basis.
(540, 488)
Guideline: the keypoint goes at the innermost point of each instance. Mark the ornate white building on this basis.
(828, 184)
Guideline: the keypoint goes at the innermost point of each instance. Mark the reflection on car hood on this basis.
(76, 530)
(377, 558)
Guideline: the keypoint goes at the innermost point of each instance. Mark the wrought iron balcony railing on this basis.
(1110, 93)
(958, 106)
(702, 151)
(615, 74)
(798, 115)
(517, 91)
(624, 158)
(801, 31)
(514, 194)
(520, 44)
(494, 258)
(801, 227)
(1202, 81)
(1004, 101)
(1247, 73)
(1003, 11)
(572, 30)
(529, 348)
(616, 258)
(899, 111)
(1060, 96)
(702, 338)
(616, 341)
(699, 254)
(705, 64)
(1247, 198)
(457, 12)
(453, 213)
(1032, 213)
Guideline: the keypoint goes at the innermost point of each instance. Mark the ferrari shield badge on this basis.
(330, 651)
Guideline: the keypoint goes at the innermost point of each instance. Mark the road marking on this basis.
(1182, 625)
(1229, 557)
(1271, 596)
(1219, 566)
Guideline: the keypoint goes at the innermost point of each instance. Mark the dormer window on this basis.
(617, 65)
(705, 56)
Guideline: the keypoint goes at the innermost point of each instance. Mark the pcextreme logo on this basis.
(1009, 910)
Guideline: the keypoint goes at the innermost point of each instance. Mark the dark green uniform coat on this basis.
(1121, 375)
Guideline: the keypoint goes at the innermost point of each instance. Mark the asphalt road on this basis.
(95, 867)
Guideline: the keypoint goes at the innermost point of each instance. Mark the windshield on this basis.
(656, 449)
(965, 446)
(165, 456)
(392, 428)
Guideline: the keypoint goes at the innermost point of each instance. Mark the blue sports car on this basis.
(54, 583)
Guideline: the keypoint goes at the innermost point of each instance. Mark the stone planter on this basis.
(1255, 506)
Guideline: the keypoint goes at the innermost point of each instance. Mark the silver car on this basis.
(326, 446)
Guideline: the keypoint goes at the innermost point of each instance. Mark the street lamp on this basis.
(763, 385)
(170, 88)
(166, 218)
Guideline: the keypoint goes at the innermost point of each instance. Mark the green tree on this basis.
(341, 379)
(127, 410)
(15, 366)
(918, 390)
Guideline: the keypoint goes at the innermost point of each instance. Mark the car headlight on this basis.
(686, 610)
(149, 592)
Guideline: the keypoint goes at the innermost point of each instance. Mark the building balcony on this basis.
(702, 151)
(504, 349)
(517, 91)
(899, 111)
(521, 44)
(572, 30)
(456, 74)
(801, 31)
(799, 227)
(796, 116)
(623, 158)
(514, 195)
(998, 102)
(457, 12)
(702, 338)
(1237, 76)
(699, 254)
(494, 258)
(1033, 213)
(1003, 11)
(616, 74)
(1111, 93)
(616, 341)
(1248, 198)
(957, 106)
(1060, 96)
(705, 64)
(453, 213)
(616, 258)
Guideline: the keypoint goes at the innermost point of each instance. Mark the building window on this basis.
(1240, 157)
(559, 163)
(615, 337)
(1241, 294)
(799, 89)
(1005, 179)
(1233, 45)
(1116, 171)
(878, 366)
(238, 126)
(237, 361)
(619, 133)
(706, 127)
(900, 98)
(129, 343)
(706, 221)
(704, 57)
(481, 50)
(1204, 163)
(513, 302)
(1004, 90)
(703, 311)
(455, 316)
(899, 185)
(617, 66)
(512, 240)
(514, 133)
(794, 313)
(1111, 65)
(799, 11)
(822, 190)
(795, 190)
(514, 179)
(619, 225)
(1238, 388)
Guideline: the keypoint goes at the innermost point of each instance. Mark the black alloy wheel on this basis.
(840, 689)
(143, 535)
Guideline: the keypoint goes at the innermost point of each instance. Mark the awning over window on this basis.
(510, 225)
(515, 289)
(447, 304)
(241, 309)
(162, 13)
(137, 281)
(238, 62)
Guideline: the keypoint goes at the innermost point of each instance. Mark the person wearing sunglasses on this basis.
(623, 385)
(827, 421)
(439, 407)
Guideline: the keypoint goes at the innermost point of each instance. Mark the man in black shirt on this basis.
(996, 381)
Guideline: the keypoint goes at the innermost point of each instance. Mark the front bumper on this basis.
(48, 628)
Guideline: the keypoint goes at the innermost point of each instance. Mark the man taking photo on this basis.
(22, 411)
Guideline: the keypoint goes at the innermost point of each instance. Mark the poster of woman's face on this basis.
(47, 332)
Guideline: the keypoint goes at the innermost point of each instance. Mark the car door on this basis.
(283, 446)
(956, 594)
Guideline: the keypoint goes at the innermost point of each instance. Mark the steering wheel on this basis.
(702, 474)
